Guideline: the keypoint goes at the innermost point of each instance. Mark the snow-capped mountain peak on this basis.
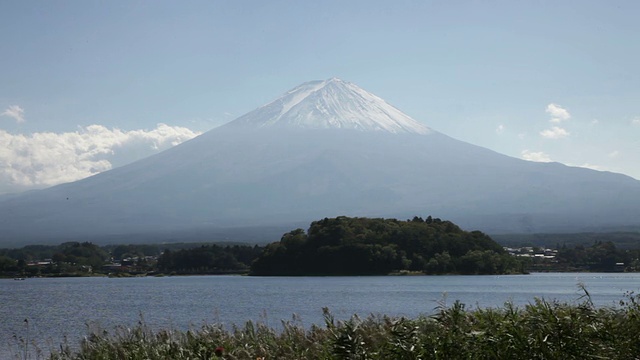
(331, 103)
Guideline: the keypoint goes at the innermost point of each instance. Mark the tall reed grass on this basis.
(541, 330)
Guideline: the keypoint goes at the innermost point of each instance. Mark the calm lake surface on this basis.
(71, 307)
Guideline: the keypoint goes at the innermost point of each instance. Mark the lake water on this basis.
(69, 307)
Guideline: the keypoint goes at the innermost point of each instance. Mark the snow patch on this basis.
(332, 103)
(298, 94)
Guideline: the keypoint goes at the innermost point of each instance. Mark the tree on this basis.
(361, 246)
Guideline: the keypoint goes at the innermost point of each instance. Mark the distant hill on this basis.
(363, 246)
(324, 149)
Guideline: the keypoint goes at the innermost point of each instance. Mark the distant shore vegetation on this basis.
(332, 246)
(365, 246)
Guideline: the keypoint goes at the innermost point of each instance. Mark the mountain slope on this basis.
(278, 166)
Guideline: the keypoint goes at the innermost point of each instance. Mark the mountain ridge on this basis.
(246, 175)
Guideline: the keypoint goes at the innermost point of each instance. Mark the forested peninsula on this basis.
(368, 246)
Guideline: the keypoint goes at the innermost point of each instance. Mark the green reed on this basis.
(541, 330)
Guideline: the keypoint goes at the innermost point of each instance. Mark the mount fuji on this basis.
(331, 104)
(323, 149)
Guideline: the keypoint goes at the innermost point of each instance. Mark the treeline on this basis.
(601, 256)
(211, 259)
(336, 246)
(365, 246)
(85, 258)
(622, 240)
(64, 259)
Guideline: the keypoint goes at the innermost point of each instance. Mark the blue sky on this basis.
(89, 85)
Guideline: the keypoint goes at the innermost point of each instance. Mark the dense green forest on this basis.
(209, 259)
(601, 256)
(337, 246)
(87, 259)
(71, 258)
(364, 246)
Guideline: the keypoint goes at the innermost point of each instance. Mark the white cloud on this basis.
(614, 154)
(45, 159)
(635, 122)
(554, 133)
(15, 112)
(500, 129)
(537, 156)
(558, 114)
